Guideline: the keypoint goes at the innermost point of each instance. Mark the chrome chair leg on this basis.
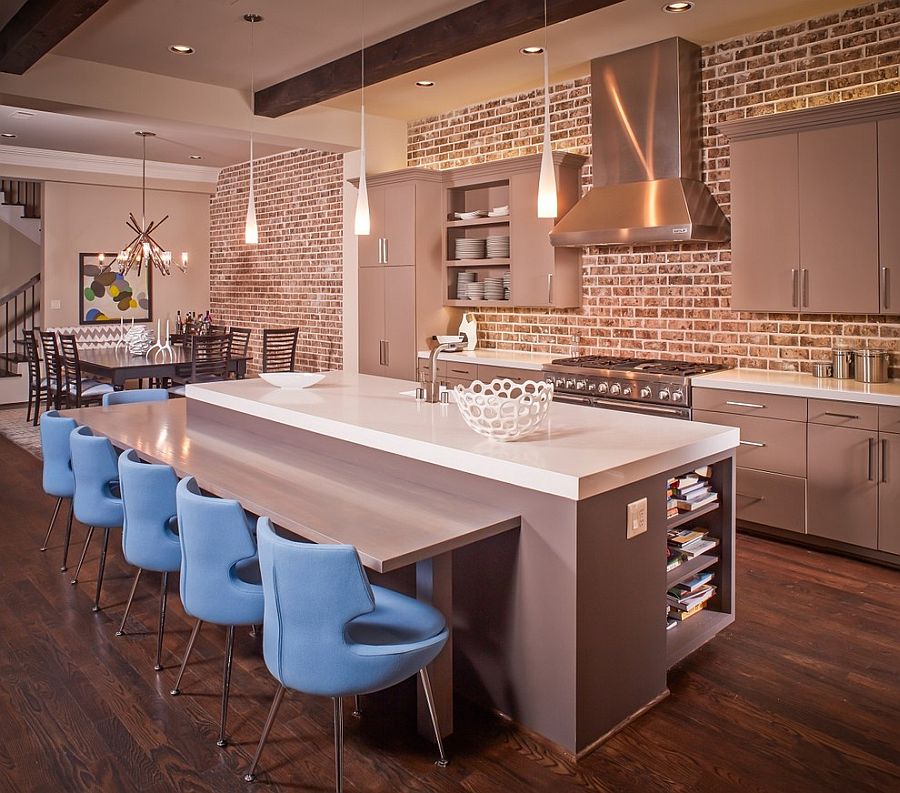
(357, 709)
(137, 577)
(429, 698)
(187, 654)
(339, 744)
(270, 720)
(52, 521)
(100, 570)
(226, 683)
(87, 542)
(65, 559)
(163, 596)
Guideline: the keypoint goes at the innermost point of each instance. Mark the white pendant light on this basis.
(362, 224)
(546, 200)
(251, 230)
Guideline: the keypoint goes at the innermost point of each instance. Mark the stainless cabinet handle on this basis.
(549, 287)
(382, 352)
(380, 256)
(754, 444)
(752, 498)
(460, 371)
(795, 288)
(885, 288)
(870, 475)
(386, 255)
(884, 459)
(804, 291)
(842, 415)
(746, 405)
(387, 353)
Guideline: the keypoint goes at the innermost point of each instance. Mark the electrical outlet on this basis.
(637, 518)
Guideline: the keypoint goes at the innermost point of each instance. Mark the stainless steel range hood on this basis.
(645, 108)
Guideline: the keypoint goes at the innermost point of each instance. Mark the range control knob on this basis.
(592, 386)
(615, 389)
(581, 385)
(626, 391)
(646, 393)
(677, 396)
(570, 382)
(602, 388)
(664, 393)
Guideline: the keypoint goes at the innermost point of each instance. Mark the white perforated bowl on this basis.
(503, 410)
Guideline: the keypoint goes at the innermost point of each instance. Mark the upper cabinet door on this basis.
(765, 235)
(371, 246)
(839, 219)
(399, 224)
(889, 213)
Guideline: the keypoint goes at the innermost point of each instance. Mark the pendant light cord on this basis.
(144, 182)
(546, 72)
(252, 101)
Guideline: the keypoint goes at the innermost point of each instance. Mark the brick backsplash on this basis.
(294, 276)
(674, 300)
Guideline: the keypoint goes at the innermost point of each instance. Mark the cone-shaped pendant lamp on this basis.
(251, 230)
(546, 201)
(361, 222)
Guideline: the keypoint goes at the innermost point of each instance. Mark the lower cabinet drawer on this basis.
(748, 403)
(488, 373)
(767, 444)
(843, 414)
(459, 371)
(771, 499)
(452, 382)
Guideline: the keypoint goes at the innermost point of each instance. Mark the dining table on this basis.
(118, 365)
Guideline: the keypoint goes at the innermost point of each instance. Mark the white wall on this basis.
(85, 218)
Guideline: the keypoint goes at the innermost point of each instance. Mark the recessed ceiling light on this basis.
(7, 135)
(677, 8)
(196, 157)
(181, 49)
(531, 50)
(424, 83)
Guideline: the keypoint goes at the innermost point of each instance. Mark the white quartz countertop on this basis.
(580, 451)
(764, 381)
(515, 359)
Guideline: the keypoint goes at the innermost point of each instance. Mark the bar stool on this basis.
(135, 395)
(97, 500)
(58, 479)
(149, 539)
(327, 631)
(219, 573)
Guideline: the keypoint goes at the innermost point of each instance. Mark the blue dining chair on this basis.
(97, 501)
(327, 631)
(219, 573)
(149, 537)
(135, 395)
(58, 478)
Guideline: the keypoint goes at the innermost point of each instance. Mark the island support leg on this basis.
(434, 584)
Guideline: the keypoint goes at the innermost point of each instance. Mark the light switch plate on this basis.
(637, 518)
(55, 304)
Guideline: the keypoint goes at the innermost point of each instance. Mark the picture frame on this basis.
(101, 293)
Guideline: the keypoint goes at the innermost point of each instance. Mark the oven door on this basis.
(643, 407)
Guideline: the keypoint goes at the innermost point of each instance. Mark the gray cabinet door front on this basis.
(371, 321)
(843, 484)
(889, 493)
(889, 213)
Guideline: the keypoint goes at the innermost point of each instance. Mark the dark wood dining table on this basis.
(119, 365)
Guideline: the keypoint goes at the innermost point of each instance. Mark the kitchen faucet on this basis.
(431, 391)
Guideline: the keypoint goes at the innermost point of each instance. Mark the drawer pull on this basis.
(754, 444)
(460, 371)
(752, 498)
(746, 405)
(872, 446)
(842, 415)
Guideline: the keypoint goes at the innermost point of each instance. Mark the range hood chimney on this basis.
(645, 113)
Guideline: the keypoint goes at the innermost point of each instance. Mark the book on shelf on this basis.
(674, 558)
(683, 602)
(694, 584)
(686, 492)
(683, 537)
(704, 471)
(681, 616)
(699, 547)
(696, 500)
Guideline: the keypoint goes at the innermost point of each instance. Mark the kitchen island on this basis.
(557, 615)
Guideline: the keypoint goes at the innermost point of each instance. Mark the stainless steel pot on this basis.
(871, 366)
(841, 363)
(822, 369)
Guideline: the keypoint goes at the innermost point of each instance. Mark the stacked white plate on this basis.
(475, 290)
(493, 288)
(498, 212)
(476, 213)
(470, 248)
(498, 247)
(462, 282)
(506, 286)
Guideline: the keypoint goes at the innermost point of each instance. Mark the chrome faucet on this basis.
(431, 391)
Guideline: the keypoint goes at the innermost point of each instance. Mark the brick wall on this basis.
(293, 277)
(673, 300)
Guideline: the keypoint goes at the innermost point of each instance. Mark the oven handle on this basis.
(632, 407)
(573, 399)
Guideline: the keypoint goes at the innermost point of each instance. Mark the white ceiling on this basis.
(124, 49)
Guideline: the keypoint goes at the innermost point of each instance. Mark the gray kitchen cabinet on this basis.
(371, 320)
(889, 213)
(843, 484)
(889, 493)
(392, 237)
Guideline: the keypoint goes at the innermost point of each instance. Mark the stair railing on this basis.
(19, 314)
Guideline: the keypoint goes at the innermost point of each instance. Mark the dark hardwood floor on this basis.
(802, 693)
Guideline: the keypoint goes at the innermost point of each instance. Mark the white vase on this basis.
(469, 327)
(139, 339)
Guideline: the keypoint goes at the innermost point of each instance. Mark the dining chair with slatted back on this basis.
(279, 349)
(238, 343)
(37, 383)
(209, 362)
(78, 390)
(53, 369)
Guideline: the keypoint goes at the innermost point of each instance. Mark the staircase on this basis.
(22, 193)
(18, 310)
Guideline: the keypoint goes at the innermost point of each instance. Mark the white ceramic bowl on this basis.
(292, 379)
(503, 410)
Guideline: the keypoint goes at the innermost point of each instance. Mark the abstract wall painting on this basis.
(107, 296)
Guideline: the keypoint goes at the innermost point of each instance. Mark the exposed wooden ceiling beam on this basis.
(469, 29)
(37, 27)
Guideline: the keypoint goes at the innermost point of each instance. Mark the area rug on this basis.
(20, 432)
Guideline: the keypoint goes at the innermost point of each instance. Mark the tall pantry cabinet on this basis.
(400, 305)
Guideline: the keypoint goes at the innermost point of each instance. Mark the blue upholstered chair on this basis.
(135, 395)
(219, 572)
(97, 501)
(59, 480)
(327, 631)
(149, 539)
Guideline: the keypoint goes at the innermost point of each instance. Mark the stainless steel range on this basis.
(633, 384)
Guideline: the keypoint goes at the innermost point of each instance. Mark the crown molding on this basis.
(93, 163)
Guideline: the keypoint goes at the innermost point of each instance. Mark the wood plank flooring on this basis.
(801, 694)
